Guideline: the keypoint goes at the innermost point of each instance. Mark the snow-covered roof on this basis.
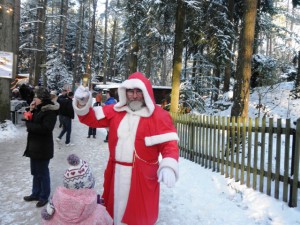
(110, 85)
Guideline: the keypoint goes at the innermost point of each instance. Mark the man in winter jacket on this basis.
(67, 114)
(40, 122)
(139, 132)
(110, 98)
(63, 96)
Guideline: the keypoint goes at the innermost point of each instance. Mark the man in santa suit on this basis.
(139, 131)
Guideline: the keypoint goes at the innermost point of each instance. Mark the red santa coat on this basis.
(136, 139)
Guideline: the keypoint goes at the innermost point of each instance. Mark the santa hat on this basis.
(136, 80)
(79, 174)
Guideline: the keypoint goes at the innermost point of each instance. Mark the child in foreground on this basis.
(76, 201)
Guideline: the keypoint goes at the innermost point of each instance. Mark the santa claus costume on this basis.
(136, 139)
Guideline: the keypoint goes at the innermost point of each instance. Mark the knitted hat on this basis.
(42, 93)
(79, 175)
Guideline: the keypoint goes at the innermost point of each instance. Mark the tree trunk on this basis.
(105, 44)
(243, 73)
(228, 63)
(195, 63)
(186, 57)
(148, 64)
(112, 50)
(257, 29)
(164, 71)
(297, 81)
(65, 16)
(217, 72)
(60, 25)
(77, 51)
(9, 42)
(39, 56)
(177, 60)
(134, 45)
(133, 56)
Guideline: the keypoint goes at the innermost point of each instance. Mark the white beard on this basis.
(135, 105)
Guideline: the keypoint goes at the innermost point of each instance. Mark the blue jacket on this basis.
(110, 101)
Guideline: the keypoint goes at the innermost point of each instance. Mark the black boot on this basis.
(106, 139)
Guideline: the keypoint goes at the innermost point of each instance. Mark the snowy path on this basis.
(17, 179)
(199, 197)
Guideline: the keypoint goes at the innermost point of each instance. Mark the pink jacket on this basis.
(78, 207)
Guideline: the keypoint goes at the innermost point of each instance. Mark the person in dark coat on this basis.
(62, 97)
(67, 114)
(40, 122)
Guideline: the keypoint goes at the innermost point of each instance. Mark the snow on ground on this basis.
(199, 197)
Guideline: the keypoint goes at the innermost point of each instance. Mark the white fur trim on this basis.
(158, 139)
(170, 163)
(83, 111)
(126, 138)
(121, 191)
(131, 84)
(124, 153)
(99, 112)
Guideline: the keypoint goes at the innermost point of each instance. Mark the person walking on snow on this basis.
(76, 202)
(139, 132)
(63, 96)
(40, 122)
(67, 114)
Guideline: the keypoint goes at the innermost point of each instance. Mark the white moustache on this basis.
(135, 105)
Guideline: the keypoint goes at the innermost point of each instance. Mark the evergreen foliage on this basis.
(208, 35)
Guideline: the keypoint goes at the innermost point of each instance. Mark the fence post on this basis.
(295, 168)
(192, 137)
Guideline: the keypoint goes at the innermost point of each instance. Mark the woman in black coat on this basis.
(40, 122)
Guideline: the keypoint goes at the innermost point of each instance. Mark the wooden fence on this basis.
(261, 153)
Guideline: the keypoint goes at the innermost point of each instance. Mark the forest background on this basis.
(203, 49)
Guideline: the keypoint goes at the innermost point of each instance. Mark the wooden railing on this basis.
(260, 153)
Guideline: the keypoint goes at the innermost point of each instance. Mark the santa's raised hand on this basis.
(82, 95)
